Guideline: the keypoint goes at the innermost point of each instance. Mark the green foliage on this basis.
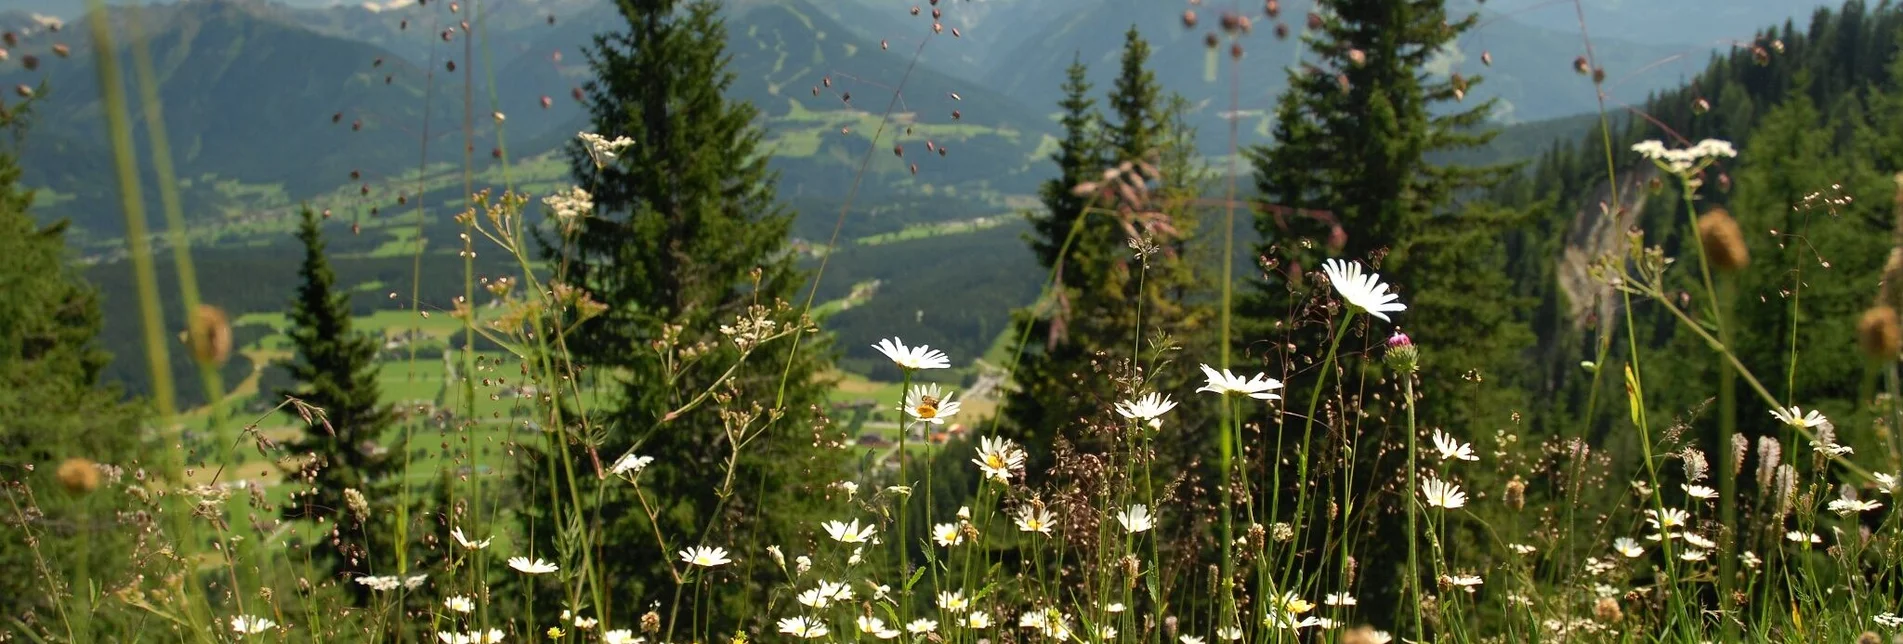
(1109, 298)
(349, 480)
(1347, 176)
(688, 236)
(59, 429)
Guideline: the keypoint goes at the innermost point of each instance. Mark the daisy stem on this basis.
(905, 558)
(1308, 432)
(1413, 507)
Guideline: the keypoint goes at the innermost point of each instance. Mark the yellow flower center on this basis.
(927, 407)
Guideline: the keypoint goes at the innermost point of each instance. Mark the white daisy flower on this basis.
(1442, 494)
(1799, 536)
(913, 358)
(997, 457)
(954, 601)
(803, 627)
(948, 534)
(876, 627)
(1146, 408)
(705, 557)
(1339, 599)
(1451, 448)
(1362, 291)
(921, 626)
(1626, 546)
(1797, 418)
(1226, 383)
(1136, 519)
(1032, 519)
(619, 636)
(1693, 555)
(850, 532)
(978, 619)
(536, 567)
(1847, 507)
(249, 625)
(459, 604)
(463, 541)
(924, 403)
(1700, 492)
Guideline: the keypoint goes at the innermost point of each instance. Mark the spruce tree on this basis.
(1353, 134)
(348, 483)
(58, 425)
(1125, 276)
(687, 234)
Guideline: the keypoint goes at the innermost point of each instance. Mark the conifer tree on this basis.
(687, 234)
(1353, 133)
(348, 484)
(1114, 292)
(58, 425)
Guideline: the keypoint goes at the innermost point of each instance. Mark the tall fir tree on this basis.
(58, 425)
(688, 233)
(349, 486)
(1353, 134)
(1124, 278)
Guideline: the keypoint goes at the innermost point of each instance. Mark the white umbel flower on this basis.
(919, 357)
(630, 465)
(1363, 291)
(601, 149)
(1226, 383)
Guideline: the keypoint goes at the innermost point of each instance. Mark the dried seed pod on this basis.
(1723, 241)
(1189, 18)
(210, 335)
(1580, 65)
(1878, 333)
(78, 475)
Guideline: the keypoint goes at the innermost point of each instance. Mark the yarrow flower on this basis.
(569, 205)
(924, 403)
(1364, 292)
(380, 583)
(536, 567)
(913, 358)
(1226, 383)
(704, 556)
(1847, 507)
(1684, 161)
(601, 149)
(630, 465)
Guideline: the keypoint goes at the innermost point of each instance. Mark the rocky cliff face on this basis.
(1599, 227)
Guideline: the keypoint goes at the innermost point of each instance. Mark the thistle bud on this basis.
(1402, 355)
(1516, 493)
(210, 335)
